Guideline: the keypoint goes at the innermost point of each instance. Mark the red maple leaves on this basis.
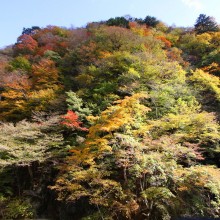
(71, 120)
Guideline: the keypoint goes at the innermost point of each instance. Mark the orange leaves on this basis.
(213, 68)
(25, 44)
(121, 115)
(166, 42)
(105, 54)
(45, 74)
(34, 89)
(49, 38)
(16, 81)
(141, 30)
(71, 121)
(43, 49)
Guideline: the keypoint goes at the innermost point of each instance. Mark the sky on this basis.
(16, 14)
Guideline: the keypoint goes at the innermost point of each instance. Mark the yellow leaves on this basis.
(141, 30)
(133, 74)
(183, 188)
(188, 125)
(212, 68)
(46, 94)
(144, 130)
(98, 145)
(104, 54)
(204, 38)
(103, 190)
(12, 94)
(81, 156)
(163, 72)
(204, 77)
(132, 104)
(91, 149)
(24, 92)
(45, 74)
(204, 81)
(119, 116)
(198, 178)
(64, 185)
(40, 99)
(106, 183)
(110, 120)
(92, 119)
(216, 38)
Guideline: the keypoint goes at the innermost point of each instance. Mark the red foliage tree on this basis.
(25, 45)
(52, 38)
(71, 121)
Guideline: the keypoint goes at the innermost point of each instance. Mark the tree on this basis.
(51, 38)
(26, 142)
(45, 74)
(30, 31)
(205, 23)
(20, 63)
(23, 148)
(25, 45)
(71, 121)
(16, 87)
(126, 171)
(76, 104)
(118, 21)
(207, 83)
(151, 21)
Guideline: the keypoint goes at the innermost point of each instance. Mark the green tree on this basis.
(151, 21)
(30, 31)
(118, 21)
(20, 63)
(205, 23)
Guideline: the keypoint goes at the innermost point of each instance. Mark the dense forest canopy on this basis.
(116, 120)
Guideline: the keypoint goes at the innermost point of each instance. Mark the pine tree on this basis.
(205, 23)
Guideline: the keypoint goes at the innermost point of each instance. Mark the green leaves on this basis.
(157, 193)
(76, 104)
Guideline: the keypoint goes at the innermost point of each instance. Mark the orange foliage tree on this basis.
(25, 45)
(45, 74)
(166, 42)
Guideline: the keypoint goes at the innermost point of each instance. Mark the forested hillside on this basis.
(113, 121)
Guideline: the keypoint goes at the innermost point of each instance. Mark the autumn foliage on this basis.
(140, 137)
(71, 120)
(25, 45)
